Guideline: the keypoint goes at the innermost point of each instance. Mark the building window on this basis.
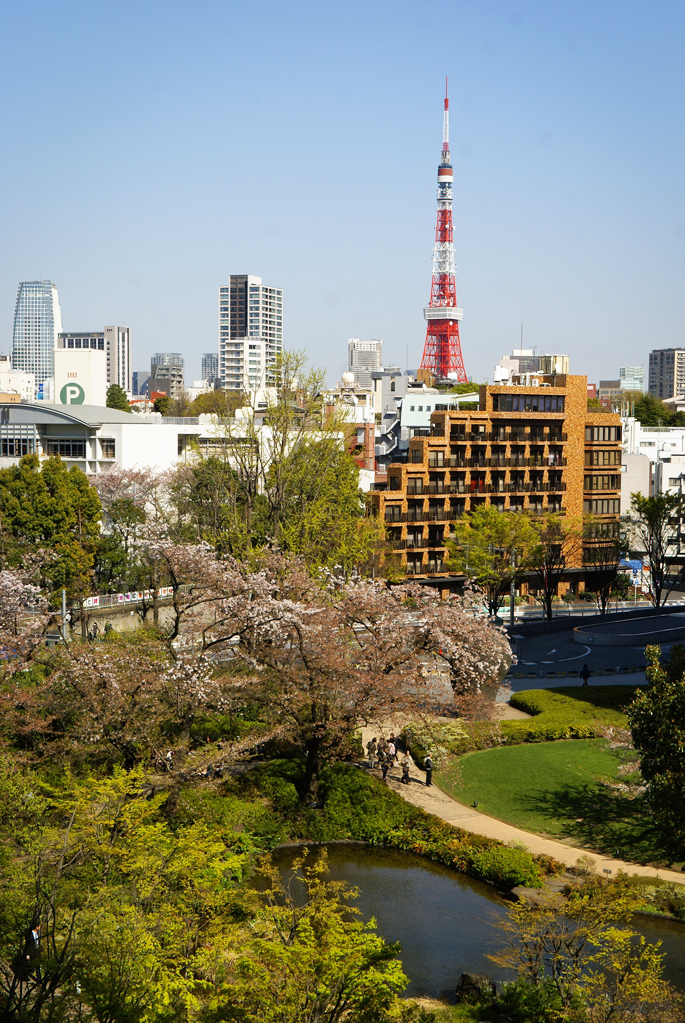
(528, 403)
(602, 433)
(67, 448)
(608, 507)
(108, 447)
(11, 448)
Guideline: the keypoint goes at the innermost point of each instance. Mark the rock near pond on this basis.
(475, 985)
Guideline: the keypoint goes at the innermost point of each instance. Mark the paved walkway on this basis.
(437, 802)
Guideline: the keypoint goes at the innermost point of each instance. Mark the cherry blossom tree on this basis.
(322, 658)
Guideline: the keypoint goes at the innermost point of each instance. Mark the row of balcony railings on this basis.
(450, 514)
(418, 568)
(420, 488)
(513, 434)
(484, 461)
(417, 543)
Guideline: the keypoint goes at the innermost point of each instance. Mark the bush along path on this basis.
(468, 818)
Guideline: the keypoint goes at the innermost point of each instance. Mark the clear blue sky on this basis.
(150, 149)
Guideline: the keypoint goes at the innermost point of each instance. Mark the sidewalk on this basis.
(437, 802)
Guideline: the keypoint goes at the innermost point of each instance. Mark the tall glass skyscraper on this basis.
(37, 322)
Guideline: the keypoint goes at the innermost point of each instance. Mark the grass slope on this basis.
(555, 789)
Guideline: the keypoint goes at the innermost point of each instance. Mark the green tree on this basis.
(655, 527)
(559, 545)
(652, 411)
(162, 404)
(49, 508)
(307, 958)
(574, 964)
(116, 398)
(657, 723)
(493, 549)
(601, 558)
(323, 516)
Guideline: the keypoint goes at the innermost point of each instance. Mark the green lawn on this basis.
(555, 789)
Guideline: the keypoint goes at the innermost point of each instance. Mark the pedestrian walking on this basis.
(392, 741)
(391, 751)
(405, 764)
(385, 764)
(585, 674)
(96, 630)
(108, 628)
(371, 748)
(428, 764)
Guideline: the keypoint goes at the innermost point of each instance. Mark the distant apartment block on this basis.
(632, 378)
(166, 374)
(250, 332)
(210, 366)
(118, 348)
(37, 323)
(363, 358)
(524, 360)
(667, 372)
(609, 392)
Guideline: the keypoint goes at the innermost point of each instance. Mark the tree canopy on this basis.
(46, 507)
(116, 398)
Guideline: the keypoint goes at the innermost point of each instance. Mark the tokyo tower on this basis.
(442, 351)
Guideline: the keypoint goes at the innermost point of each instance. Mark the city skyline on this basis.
(567, 137)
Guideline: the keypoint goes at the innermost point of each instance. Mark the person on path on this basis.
(371, 748)
(405, 764)
(391, 751)
(385, 763)
(392, 741)
(108, 627)
(585, 674)
(428, 764)
(96, 630)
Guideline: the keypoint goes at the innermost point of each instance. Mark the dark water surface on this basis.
(446, 922)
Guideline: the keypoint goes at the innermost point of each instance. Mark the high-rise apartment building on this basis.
(210, 366)
(632, 378)
(250, 332)
(118, 348)
(37, 323)
(667, 372)
(362, 358)
(166, 374)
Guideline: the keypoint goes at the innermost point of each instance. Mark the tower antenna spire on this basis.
(442, 356)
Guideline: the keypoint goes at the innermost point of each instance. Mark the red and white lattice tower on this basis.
(442, 351)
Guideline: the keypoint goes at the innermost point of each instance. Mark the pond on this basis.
(445, 921)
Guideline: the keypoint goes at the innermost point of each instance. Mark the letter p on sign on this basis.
(72, 394)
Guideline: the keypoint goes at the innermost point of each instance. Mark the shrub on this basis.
(506, 867)
(571, 712)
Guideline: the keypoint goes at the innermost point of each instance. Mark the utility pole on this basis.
(64, 615)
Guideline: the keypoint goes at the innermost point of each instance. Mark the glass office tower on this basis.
(37, 322)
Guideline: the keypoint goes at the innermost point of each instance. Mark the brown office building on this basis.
(527, 448)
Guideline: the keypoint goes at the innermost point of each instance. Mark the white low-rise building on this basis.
(97, 439)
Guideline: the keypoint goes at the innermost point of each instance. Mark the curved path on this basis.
(435, 801)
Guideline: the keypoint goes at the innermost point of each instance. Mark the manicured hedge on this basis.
(569, 712)
(360, 807)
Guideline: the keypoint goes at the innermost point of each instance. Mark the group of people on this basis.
(94, 633)
(384, 753)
